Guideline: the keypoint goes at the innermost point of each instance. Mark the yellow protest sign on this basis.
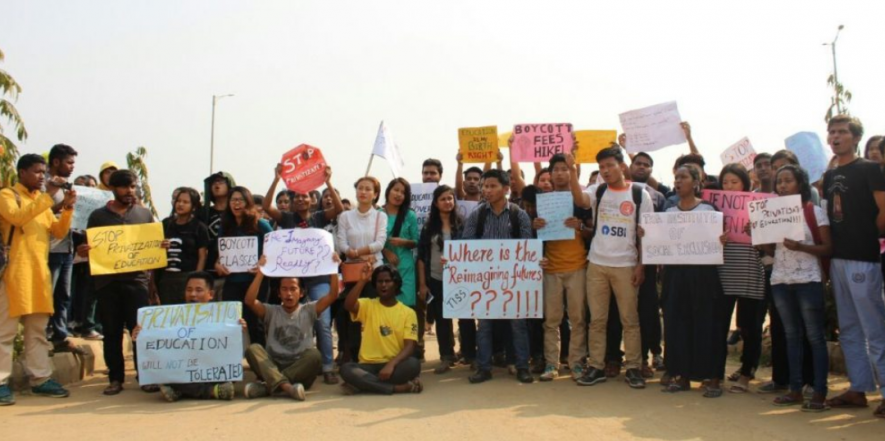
(125, 248)
(478, 144)
(590, 142)
(503, 138)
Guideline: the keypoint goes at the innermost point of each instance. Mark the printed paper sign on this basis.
(422, 199)
(733, 205)
(190, 343)
(741, 152)
(812, 154)
(590, 142)
(126, 248)
(88, 200)
(493, 279)
(238, 254)
(682, 238)
(538, 142)
(555, 207)
(775, 219)
(652, 128)
(478, 144)
(300, 252)
(304, 169)
(466, 207)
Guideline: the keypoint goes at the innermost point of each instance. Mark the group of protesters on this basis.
(605, 313)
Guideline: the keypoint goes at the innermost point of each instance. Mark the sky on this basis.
(109, 76)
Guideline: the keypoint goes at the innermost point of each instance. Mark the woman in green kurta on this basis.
(402, 237)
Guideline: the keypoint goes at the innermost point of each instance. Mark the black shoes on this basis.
(591, 376)
(480, 376)
(634, 379)
(524, 376)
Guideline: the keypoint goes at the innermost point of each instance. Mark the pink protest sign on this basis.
(538, 142)
(733, 205)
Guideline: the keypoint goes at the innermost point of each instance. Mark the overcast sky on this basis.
(109, 76)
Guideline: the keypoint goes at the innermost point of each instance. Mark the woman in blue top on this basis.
(402, 238)
(241, 219)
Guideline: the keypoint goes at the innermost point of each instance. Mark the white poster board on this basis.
(555, 207)
(88, 200)
(422, 199)
(652, 128)
(773, 220)
(238, 254)
(682, 238)
(741, 152)
(300, 252)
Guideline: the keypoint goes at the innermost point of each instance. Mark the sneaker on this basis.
(255, 390)
(658, 363)
(524, 376)
(224, 391)
(114, 388)
(6, 396)
(634, 379)
(169, 394)
(591, 376)
(297, 392)
(50, 388)
(577, 371)
(550, 373)
(480, 376)
(771, 387)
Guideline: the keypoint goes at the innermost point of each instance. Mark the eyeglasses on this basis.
(237, 200)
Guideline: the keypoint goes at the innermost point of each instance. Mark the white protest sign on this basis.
(555, 207)
(300, 252)
(88, 200)
(493, 279)
(238, 254)
(466, 207)
(773, 220)
(741, 152)
(652, 128)
(422, 199)
(812, 154)
(682, 238)
(190, 343)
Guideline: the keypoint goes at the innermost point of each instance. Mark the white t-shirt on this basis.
(615, 242)
(793, 267)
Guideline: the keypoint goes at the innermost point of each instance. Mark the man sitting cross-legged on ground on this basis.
(291, 362)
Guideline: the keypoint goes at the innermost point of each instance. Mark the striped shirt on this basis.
(497, 226)
(742, 275)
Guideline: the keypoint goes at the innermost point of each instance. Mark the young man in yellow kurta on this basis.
(26, 286)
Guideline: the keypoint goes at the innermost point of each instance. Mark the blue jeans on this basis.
(317, 288)
(61, 266)
(860, 303)
(484, 339)
(801, 309)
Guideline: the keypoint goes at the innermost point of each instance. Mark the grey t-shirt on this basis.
(289, 335)
(436, 267)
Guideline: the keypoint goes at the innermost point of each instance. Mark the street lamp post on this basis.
(835, 72)
(215, 99)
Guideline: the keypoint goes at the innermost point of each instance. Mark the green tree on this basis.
(840, 99)
(9, 92)
(137, 164)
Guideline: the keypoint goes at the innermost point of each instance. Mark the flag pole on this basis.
(371, 157)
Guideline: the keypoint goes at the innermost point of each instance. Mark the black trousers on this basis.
(748, 320)
(349, 332)
(118, 304)
(445, 333)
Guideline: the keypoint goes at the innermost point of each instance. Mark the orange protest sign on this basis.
(478, 144)
(304, 169)
(590, 142)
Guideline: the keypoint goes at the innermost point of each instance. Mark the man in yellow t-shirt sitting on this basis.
(389, 338)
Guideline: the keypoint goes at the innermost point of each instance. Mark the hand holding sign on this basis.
(303, 169)
(125, 248)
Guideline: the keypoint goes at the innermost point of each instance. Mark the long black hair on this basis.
(739, 171)
(801, 178)
(404, 208)
(434, 222)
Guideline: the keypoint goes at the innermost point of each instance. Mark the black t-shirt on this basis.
(213, 224)
(291, 220)
(852, 209)
(185, 242)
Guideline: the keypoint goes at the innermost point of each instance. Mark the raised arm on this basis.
(351, 302)
(251, 299)
(459, 177)
(267, 204)
(337, 206)
(581, 199)
(686, 128)
(19, 216)
(330, 298)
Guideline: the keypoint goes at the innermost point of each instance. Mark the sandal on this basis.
(712, 392)
(788, 400)
(674, 387)
(844, 403)
(734, 376)
(880, 411)
(417, 387)
(738, 388)
(811, 406)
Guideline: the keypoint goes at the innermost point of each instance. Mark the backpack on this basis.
(514, 221)
(637, 200)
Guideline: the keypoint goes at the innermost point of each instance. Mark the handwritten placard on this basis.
(682, 238)
(88, 200)
(478, 144)
(301, 252)
(493, 279)
(775, 219)
(304, 169)
(733, 205)
(555, 207)
(590, 142)
(190, 343)
(652, 128)
(238, 254)
(465, 208)
(812, 154)
(422, 199)
(538, 142)
(125, 248)
(741, 152)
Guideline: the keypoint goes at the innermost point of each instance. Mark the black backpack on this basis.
(484, 213)
(637, 200)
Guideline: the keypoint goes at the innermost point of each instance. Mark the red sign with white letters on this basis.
(304, 169)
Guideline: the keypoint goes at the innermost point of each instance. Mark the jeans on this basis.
(364, 376)
(118, 304)
(317, 288)
(61, 266)
(801, 308)
(520, 340)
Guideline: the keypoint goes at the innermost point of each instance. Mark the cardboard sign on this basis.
(190, 343)
(682, 238)
(652, 128)
(590, 142)
(300, 252)
(538, 142)
(741, 152)
(126, 248)
(88, 200)
(238, 254)
(304, 169)
(775, 219)
(812, 154)
(555, 207)
(733, 205)
(422, 199)
(503, 139)
(493, 279)
(478, 144)
(465, 208)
